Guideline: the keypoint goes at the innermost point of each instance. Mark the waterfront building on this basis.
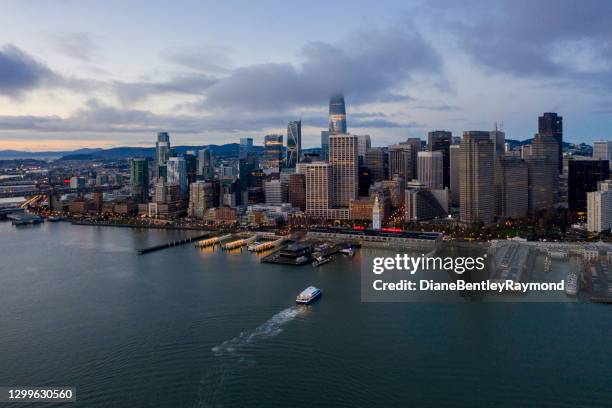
(454, 175)
(513, 193)
(583, 177)
(319, 189)
(206, 169)
(423, 204)
(273, 152)
(343, 158)
(162, 153)
(376, 214)
(400, 161)
(273, 191)
(550, 124)
(599, 210)
(430, 168)
(602, 150)
(294, 143)
(375, 162)
(337, 115)
(325, 145)
(201, 198)
(177, 174)
(361, 209)
(477, 197)
(139, 179)
(440, 141)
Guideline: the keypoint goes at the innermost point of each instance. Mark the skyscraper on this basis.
(201, 198)
(602, 150)
(599, 208)
(162, 153)
(375, 162)
(454, 174)
(430, 169)
(583, 177)
(273, 151)
(477, 197)
(294, 143)
(415, 142)
(140, 179)
(440, 141)
(401, 161)
(513, 194)
(550, 124)
(364, 143)
(273, 192)
(205, 164)
(177, 174)
(337, 115)
(325, 145)
(246, 147)
(319, 189)
(191, 166)
(543, 174)
(343, 158)
(297, 191)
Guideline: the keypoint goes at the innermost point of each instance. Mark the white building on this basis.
(429, 169)
(274, 192)
(376, 214)
(599, 211)
(602, 150)
(319, 189)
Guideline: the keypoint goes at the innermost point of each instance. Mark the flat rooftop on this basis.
(380, 233)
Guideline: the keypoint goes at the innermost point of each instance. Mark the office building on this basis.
(343, 158)
(599, 210)
(602, 150)
(139, 179)
(294, 143)
(375, 162)
(477, 197)
(513, 193)
(440, 141)
(364, 143)
(246, 147)
(177, 175)
(273, 152)
(416, 145)
(583, 177)
(337, 115)
(325, 145)
(273, 191)
(543, 174)
(430, 166)
(364, 181)
(400, 161)
(191, 166)
(550, 124)
(206, 169)
(423, 204)
(162, 153)
(319, 189)
(454, 175)
(297, 191)
(201, 198)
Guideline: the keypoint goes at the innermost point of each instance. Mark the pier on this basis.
(213, 241)
(171, 244)
(239, 243)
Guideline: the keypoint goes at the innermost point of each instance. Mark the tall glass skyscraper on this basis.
(162, 153)
(246, 147)
(294, 143)
(324, 144)
(551, 124)
(337, 115)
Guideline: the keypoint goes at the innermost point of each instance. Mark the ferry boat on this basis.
(308, 295)
(320, 260)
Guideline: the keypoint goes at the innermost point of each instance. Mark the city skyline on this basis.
(102, 78)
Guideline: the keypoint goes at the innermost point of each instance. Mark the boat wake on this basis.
(270, 328)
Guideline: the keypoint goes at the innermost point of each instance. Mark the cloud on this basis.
(370, 66)
(77, 45)
(19, 72)
(186, 84)
(205, 58)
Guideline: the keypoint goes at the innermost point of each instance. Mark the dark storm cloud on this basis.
(544, 38)
(19, 72)
(369, 67)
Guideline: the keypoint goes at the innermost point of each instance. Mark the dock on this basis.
(213, 241)
(172, 244)
(239, 243)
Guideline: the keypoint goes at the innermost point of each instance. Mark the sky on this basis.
(79, 74)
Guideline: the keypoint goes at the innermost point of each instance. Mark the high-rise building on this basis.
(583, 177)
(177, 174)
(422, 203)
(375, 162)
(246, 147)
(273, 191)
(364, 143)
(140, 179)
(337, 115)
(201, 198)
(543, 174)
(319, 189)
(416, 144)
(401, 161)
(430, 166)
(499, 141)
(454, 174)
(513, 194)
(364, 181)
(602, 150)
(343, 158)
(294, 143)
(191, 166)
(599, 208)
(162, 153)
(440, 141)
(273, 151)
(477, 197)
(206, 170)
(297, 191)
(550, 124)
(324, 145)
